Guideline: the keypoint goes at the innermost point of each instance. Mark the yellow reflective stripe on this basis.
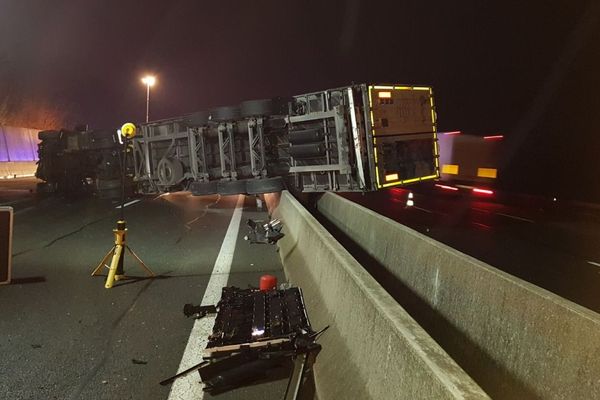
(406, 181)
(451, 169)
(487, 173)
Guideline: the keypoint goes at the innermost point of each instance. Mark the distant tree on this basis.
(33, 113)
(27, 108)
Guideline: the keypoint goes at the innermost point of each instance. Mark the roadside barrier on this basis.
(373, 348)
(516, 340)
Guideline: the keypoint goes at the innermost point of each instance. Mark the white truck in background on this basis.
(469, 162)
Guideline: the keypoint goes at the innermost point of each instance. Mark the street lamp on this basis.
(148, 81)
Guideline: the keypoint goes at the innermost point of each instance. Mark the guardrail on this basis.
(17, 169)
(373, 349)
(18, 151)
(514, 339)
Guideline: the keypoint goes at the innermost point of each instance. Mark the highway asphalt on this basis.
(64, 336)
(552, 244)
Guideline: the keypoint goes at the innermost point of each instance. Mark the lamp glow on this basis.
(149, 80)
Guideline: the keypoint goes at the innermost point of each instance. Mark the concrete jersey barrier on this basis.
(516, 340)
(373, 349)
(18, 151)
(17, 169)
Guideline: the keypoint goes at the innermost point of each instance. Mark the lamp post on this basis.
(148, 81)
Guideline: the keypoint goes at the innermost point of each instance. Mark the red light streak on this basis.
(445, 187)
(452, 133)
(494, 137)
(483, 191)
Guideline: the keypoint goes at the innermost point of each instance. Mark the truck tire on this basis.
(227, 188)
(170, 171)
(226, 113)
(43, 135)
(109, 188)
(264, 185)
(109, 194)
(256, 108)
(203, 188)
(313, 150)
(106, 184)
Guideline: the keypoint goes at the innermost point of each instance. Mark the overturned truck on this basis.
(354, 138)
(79, 161)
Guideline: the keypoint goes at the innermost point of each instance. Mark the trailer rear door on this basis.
(404, 134)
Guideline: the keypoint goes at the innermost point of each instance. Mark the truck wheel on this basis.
(203, 188)
(106, 184)
(255, 108)
(109, 194)
(43, 135)
(264, 185)
(170, 171)
(108, 188)
(227, 113)
(227, 188)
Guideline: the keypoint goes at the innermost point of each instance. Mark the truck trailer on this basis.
(469, 162)
(361, 137)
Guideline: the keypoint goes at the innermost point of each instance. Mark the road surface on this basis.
(64, 336)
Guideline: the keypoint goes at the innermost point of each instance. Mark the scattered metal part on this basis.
(171, 379)
(255, 333)
(139, 362)
(190, 310)
(264, 233)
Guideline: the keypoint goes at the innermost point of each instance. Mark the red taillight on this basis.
(445, 187)
(483, 191)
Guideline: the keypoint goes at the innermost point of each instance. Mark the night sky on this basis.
(527, 69)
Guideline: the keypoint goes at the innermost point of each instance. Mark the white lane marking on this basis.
(129, 204)
(594, 263)
(517, 218)
(484, 226)
(188, 387)
(10, 203)
(422, 209)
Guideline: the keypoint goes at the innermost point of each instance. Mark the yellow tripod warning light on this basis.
(117, 257)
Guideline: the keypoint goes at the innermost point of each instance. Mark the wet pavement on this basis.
(64, 336)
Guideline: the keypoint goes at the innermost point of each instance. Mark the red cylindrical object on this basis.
(268, 282)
